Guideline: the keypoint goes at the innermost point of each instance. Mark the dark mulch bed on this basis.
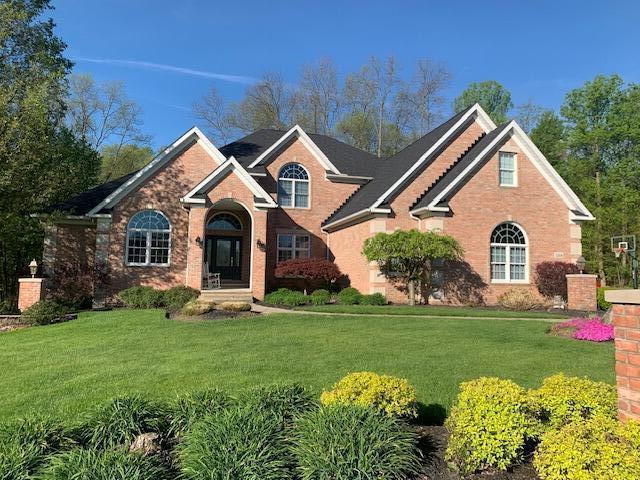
(434, 443)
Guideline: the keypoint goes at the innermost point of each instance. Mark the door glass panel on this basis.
(223, 253)
(236, 256)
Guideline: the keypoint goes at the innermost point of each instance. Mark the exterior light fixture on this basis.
(581, 263)
(33, 267)
(199, 241)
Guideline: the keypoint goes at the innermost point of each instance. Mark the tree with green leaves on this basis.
(407, 256)
(549, 136)
(119, 160)
(492, 97)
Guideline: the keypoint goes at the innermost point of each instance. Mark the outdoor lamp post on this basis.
(33, 267)
(581, 263)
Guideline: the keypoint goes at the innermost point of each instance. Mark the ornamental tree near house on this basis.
(407, 255)
(309, 269)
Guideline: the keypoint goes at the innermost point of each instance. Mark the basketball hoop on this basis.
(619, 251)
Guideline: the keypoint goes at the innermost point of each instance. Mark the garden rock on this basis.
(146, 444)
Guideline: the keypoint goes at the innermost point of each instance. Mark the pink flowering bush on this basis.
(590, 329)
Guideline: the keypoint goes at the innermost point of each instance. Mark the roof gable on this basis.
(231, 165)
(194, 135)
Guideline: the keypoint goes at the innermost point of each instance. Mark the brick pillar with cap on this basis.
(30, 292)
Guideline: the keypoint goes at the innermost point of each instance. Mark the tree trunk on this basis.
(412, 293)
(598, 246)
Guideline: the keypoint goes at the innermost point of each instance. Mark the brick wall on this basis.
(626, 321)
(581, 292)
(31, 292)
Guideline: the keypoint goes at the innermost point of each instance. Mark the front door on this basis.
(224, 256)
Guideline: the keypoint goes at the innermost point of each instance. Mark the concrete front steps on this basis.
(226, 295)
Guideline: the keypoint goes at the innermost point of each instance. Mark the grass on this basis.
(65, 368)
(430, 310)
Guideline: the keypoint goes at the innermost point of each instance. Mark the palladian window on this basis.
(293, 186)
(148, 239)
(509, 254)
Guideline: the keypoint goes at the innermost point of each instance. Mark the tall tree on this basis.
(588, 112)
(492, 97)
(40, 161)
(212, 110)
(319, 99)
(117, 161)
(549, 136)
(528, 115)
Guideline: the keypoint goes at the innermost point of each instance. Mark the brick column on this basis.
(259, 248)
(103, 243)
(581, 292)
(626, 322)
(195, 253)
(30, 292)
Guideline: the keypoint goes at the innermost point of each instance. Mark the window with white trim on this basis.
(293, 186)
(148, 239)
(293, 246)
(507, 168)
(509, 254)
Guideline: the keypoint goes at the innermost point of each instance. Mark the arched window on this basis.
(224, 221)
(293, 186)
(509, 254)
(148, 239)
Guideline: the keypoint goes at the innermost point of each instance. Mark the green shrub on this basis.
(320, 297)
(235, 443)
(190, 407)
(284, 296)
(44, 312)
(120, 420)
(80, 464)
(602, 303)
(275, 298)
(373, 299)
(283, 401)
(561, 400)
(177, 297)
(194, 308)
(349, 296)
(142, 297)
(235, 306)
(8, 307)
(519, 299)
(348, 442)
(489, 425)
(25, 444)
(600, 448)
(391, 395)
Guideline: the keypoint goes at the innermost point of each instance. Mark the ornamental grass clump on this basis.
(282, 401)
(598, 448)
(489, 425)
(392, 395)
(235, 443)
(81, 464)
(350, 442)
(187, 408)
(119, 421)
(562, 400)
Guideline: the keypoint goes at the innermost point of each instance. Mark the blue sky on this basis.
(169, 53)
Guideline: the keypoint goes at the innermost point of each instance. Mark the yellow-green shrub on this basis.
(561, 400)
(599, 448)
(489, 425)
(392, 395)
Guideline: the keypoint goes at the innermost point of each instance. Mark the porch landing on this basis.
(226, 295)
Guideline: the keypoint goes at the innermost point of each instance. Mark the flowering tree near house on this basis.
(407, 256)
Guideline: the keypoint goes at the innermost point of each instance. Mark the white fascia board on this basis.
(155, 164)
(306, 140)
(231, 165)
(483, 120)
(355, 216)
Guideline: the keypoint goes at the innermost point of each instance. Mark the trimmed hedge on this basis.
(142, 297)
(320, 297)
(390, 395)
(373, 299)
(177, 297)
(284, 296)
(349, 442)
(349, 296)
(44, 312)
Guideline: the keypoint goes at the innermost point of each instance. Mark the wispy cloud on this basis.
(168, 68)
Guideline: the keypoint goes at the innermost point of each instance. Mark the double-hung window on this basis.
(507, 166)
(292, 245)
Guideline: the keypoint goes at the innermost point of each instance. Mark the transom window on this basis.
(293, 186)
(507, 167)
(224, 221)
(509, 254)
(148, 239)
(293, 246)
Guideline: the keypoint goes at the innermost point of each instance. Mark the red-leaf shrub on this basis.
(309, 269)
(551, 278)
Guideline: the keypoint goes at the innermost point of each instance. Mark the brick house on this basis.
(272, 195)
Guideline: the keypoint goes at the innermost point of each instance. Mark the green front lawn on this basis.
(429, 310)
(66, 367)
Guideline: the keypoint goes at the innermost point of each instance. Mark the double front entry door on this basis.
(224, 256)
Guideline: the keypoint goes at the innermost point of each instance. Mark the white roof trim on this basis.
(306, 140)
(483, 120)
(161, 159)
(355, 216)
(539, 161)
(230, 165)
